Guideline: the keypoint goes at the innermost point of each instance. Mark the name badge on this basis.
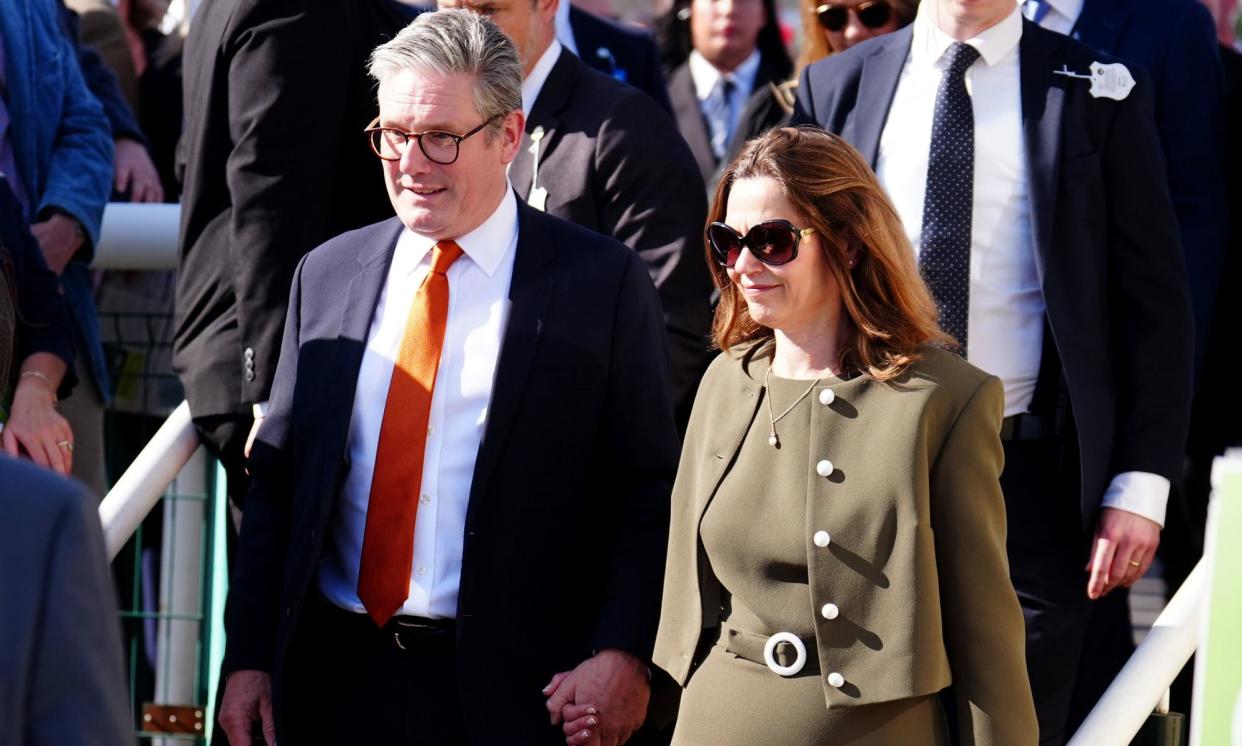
(1111, 81)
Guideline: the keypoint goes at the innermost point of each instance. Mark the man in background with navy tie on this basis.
(1032, 187)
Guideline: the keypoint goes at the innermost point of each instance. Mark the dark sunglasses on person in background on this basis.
(772, 242)
(873, 15)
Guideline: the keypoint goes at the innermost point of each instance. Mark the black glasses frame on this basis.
(373, 133)
(721, 254)
(873, 14)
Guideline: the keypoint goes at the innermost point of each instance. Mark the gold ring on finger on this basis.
(66, 445)
(1135, 564)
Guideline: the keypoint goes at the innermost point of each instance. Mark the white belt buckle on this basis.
(769, 650)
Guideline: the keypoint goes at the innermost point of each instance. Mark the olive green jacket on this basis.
(916, 562)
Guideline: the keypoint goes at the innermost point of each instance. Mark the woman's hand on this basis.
(37, 428)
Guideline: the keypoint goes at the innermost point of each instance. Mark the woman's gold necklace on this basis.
(773, 440)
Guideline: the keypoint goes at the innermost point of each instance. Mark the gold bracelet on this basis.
(47, 381)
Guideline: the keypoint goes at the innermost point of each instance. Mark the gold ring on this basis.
(1135, 564)
(66, 445)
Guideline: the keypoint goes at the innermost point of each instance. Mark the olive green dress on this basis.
(755, 542)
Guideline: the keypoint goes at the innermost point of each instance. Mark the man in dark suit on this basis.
(60, 643)
(461, 488)
(627, 54)
(272, 162)
(1038, 204)
(1175, 41)
(603, 155)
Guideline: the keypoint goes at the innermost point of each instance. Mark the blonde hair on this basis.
(889, 310)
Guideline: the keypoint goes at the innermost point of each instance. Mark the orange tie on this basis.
(388, 542)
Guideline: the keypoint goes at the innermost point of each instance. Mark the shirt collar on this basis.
(705, 75)
(486, 245)
(564, 29)
(533, 83)
(1071, 9)
(930, 42)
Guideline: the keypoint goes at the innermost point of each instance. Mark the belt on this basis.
(403, 631)
(1029, 427)
(783, 653)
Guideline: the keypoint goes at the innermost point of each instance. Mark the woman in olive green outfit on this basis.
(837, 548)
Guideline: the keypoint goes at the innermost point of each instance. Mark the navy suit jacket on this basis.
(61, 677)
(567, 521)
(627, 54)
(1175, 40)
(1105, 236)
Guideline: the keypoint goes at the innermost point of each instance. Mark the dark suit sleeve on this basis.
(804, 104)
(77, 687)
(288, 62)
(1151, 311)
(1189, 117)
(646, 75)
(640, 442)
(253, 607)
(654, 202)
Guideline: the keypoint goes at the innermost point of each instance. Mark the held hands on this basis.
(1124, 546)
(247, 702)
(602, 701)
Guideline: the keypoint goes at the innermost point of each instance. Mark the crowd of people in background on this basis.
(1026, 213)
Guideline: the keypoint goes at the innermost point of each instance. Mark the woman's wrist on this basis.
(36, 384)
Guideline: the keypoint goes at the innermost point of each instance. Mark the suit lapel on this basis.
(529, 294)
(877, 84)
(1043, 98)
(690, 120)
(1100, 24)
(553, 97)
(729, 429)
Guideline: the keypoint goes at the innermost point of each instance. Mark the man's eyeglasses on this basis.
(772, 242)
(873, 15)
(390, 143)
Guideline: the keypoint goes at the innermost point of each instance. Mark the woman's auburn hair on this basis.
(815, 47)
(890, 312)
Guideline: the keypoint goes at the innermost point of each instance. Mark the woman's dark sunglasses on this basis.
(772, 242)
(873, 15)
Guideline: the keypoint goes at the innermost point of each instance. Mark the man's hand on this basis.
(602, 701)
(247, 700)
(59, 239)
(135, 173)
(254, 433)
(1124, 546)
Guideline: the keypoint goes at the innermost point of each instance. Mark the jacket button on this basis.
(836, 679)
(823, 468)
(821, 539)
(249, 376)
(249, 353)
(829, 611)
(827, 396)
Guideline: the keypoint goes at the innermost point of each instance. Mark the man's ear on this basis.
(547, 8)
(511, 130)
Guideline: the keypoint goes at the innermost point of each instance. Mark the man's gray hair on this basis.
(455, 41)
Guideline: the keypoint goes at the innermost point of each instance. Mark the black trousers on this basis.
(1048, 550)
(349, 682)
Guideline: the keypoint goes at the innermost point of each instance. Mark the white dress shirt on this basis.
(532, 84)
(1061, 16)
(1006, 315)
(705, 76)
(478, 311)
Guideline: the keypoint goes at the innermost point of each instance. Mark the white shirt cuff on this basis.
(260, 409)
(1138, 492)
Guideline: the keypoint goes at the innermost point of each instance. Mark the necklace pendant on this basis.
(773, 440)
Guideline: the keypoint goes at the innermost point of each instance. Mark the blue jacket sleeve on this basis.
(102, 84)
(79, 178)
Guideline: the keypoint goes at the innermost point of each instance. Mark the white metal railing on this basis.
(138, 237)
(140, 487)
(1143, 684)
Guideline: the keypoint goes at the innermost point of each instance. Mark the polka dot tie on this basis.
(944, 258)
